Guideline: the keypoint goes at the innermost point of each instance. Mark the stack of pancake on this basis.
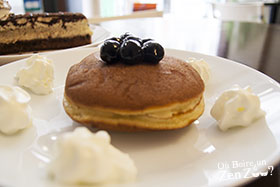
(163, 96)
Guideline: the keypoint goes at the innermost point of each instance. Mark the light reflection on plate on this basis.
(198, 155)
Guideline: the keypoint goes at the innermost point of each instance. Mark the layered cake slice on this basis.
(43, 31)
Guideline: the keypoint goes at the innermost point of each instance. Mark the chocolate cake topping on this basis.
(32, 18)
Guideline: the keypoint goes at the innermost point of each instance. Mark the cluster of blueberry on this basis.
(129, 49)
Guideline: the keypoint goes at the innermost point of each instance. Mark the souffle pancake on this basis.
(143, 96)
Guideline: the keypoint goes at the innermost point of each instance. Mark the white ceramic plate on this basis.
(99, 35)
(199, 155)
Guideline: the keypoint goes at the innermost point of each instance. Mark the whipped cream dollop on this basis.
(15, 112)
(4, 9)
(86, 157)
(37, 75)
(236, 107)
(201, 67)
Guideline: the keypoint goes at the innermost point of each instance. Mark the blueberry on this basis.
(109, 51)
(125, 35)
(131, 52)
(146, 40)
(153, 52)
(133, 38)
(129, 36)
(115, 39)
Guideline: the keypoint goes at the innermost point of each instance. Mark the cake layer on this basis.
(43, 44)
(45, 31)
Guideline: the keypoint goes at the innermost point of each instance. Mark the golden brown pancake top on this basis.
(132, 87)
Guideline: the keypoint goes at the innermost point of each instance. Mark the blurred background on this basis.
(265, 11)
